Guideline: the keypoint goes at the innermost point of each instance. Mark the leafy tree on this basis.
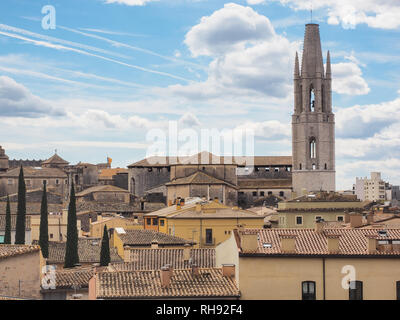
(71, 250)
(105, 249)
(44, 225)
(21, 209)
(7, 235)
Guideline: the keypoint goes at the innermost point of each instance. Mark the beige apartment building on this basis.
(373, 189)
(315, 264)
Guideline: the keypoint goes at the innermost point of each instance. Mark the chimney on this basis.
(371, 243)
(195, 270)
(370, 218)
(165, 277)
(333, 243)
(288, 243)
(346, 217)
(186, 252)
(249, 241)
(355, 220)
(228, 270)
(154, 244)
(319, 226)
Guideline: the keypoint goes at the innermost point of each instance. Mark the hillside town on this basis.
(202, 227)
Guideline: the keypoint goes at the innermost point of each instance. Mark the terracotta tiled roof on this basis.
(209, 158)
(105, 188)
(310, 242)
(68, 279)
(30, 172)
(216, 214)
(147, 284)
(14, 222)
(146, 237)
(199, 177)
(55, 159)
(264, 183)
(88, 251)
(10, 250)
(154, 259)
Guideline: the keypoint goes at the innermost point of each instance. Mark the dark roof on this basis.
(14, 222)
(199, 177)
(146, 237)
(71, 278)
(154, 259)
(105, 188)
(55, 159)
(31, 172)
(88, 250)
(209, 158)
(147, 284)
(32, 208)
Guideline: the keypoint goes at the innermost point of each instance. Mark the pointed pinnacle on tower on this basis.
(296, 67)
(328, 66)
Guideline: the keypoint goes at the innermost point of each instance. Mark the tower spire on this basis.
(312, 64)
(328, 66)
(296, 67)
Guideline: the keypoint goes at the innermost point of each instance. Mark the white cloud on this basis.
(249, 58)
(347, 79)
(271, 129)
(189, 120)
(131, 2)
(16, 100)
(382, 14)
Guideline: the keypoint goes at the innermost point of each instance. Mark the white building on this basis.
(372, 189)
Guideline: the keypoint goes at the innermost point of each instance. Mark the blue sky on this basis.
(113, 71)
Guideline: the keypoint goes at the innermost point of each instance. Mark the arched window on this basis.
(300, 166)
(313, 148)
(314, 166)
(326, 166)
(312, 99)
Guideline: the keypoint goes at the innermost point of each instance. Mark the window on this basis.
(57, 182)
(209, 238)
(314, 166)
(1, 239)
(288, 169)
(300, 166)
(356, 290)
(398, 290)
(270, 193)
(276, 169)
(155, 222)
(148, 221)
(313, 148)
(326, 166)
(308, 290)
(340, 218)
(254, 193)
(267, 169)
(281, 193)
(10, 181)
(318, 218)
(162, 223)
(28, 183)
(312, 99)
(51, 236)
(262, 193)
(299, 220)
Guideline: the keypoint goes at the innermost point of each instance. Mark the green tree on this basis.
(71, 250)
(21, 209)
(44, 225)
(105, 249)
(7, 235)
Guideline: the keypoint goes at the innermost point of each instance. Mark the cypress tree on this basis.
(44, 225)
(105, 249)
(71, 250)
(7, 235)
(21, 209)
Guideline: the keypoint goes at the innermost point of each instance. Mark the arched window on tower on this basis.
(300, 166)
(322, 99)
(326, 166)
(314, 167)
(312, 99)
(313, 148)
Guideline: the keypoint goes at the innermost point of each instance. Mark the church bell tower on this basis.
(313, 123)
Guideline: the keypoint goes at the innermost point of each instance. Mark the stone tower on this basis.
(313, 123)
(3, 160)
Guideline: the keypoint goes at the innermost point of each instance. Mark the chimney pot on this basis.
(249, 242)
(186, 251)
(228, 270)
(355, 220)
(165, 277)
(288, 243)
(333, 243)
(371, 243)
